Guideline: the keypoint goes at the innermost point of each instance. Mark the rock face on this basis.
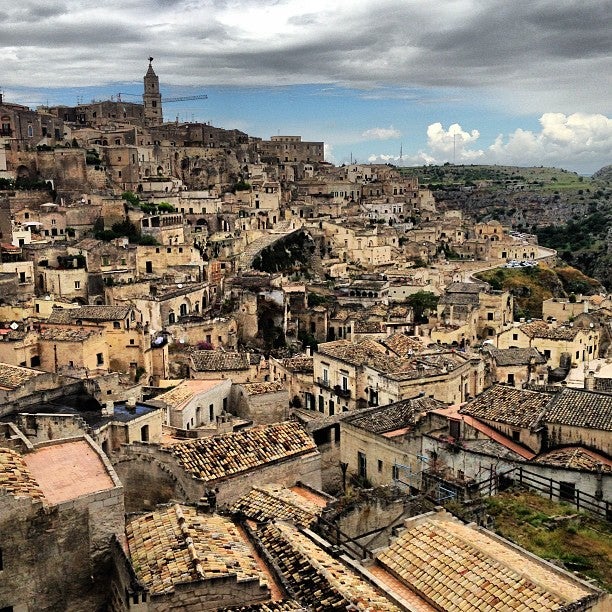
(604, 174)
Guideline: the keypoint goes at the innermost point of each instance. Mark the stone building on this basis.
(60, 504)
(229, 463)
(261, 402)
(176, 558)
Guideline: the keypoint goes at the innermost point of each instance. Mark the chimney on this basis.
(589, 381)
(109, 408)
(309, 351)
(131, 402)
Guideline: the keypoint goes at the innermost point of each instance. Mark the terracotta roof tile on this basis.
(507, 405)
(274, 502)
(219, 361)
(260, 388)
(12, 377)
(580, 408)
(394, 416)
(515, 356)
(177, 545)
(15, 476)
(233, 453)
(319, 581)
(460, 568)
(89, 313)
(62, 334)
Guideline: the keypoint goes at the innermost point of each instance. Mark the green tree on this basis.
(422, 302)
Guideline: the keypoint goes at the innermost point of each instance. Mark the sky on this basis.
(409, 82)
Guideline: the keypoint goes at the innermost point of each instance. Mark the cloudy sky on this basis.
(473, 81)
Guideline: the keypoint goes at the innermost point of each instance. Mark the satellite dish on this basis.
(14, 326)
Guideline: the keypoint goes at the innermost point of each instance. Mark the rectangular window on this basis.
(321, 404)
(489, 316)
(546, 354)
(395, 472)
(332, 409)
(380, 466)
(511, 379)
(211, 413)
(567, 491)
(77, 284)
(515, 336)
(100, 358)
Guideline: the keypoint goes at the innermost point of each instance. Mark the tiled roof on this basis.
(466, 288)
(508, 405)
(229, 454)
(320, 582)
(15, 476)
(541, 329)
(460, 568)
(403, 345)
(180, 396)
(61, 334)
(274, 502)
(394, 416)
(89, 313)
(219, 361)
(260, 388)
(576, 457)
(87, 244)
(368, 327)
(466, 299)
(177, 545)
(285, 605)
(515, 356)
(580, 408)
(298, 364)
(12, 377)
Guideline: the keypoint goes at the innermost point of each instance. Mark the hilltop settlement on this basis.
(236, 377)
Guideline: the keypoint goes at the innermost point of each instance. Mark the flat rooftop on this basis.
(68, 470)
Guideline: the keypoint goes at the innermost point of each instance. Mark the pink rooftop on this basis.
(68, 470)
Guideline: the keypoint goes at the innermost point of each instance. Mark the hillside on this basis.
(530, 286)
(567, 212)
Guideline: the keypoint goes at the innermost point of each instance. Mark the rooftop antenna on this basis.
(401, 151)
(454, 148)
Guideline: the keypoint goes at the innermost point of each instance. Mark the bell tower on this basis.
(151, 98)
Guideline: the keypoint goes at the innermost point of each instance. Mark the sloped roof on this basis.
(580, 408)
(233, 453)
(12, 377)
(176, 545)
(89, 313)
(515, 356)
(541, 329)
(219, 361)
(273, 502)
(394, 416)
(16, 479)
(319, 581)
(509, 405)
(261, 388)
(403, 345)
(575, 457)
(460, 567)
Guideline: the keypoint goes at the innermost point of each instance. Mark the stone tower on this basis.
(152, 98)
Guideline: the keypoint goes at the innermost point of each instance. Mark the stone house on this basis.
(382, 444)
(194, 404)
(230, 463)
(349, 376)
(73, 350)
(296, 374)
(176, 557)
(54, 493)
(238, 367)
(19, 348)
(515, 367)
(18, 383)
(261, 402)
(580, 344)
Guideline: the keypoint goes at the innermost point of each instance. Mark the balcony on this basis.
(336, 389)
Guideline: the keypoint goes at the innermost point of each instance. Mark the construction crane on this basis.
(166, 100)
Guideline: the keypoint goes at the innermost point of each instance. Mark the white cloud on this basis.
(580, 141)
(574, 140)
(328, 153)
(452, 143)
(381, 133)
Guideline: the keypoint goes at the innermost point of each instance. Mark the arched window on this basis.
(171, 318)
(183, 310)
(144, 433)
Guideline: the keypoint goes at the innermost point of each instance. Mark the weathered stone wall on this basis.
(151, 476)
(264, 408)
(58, 558)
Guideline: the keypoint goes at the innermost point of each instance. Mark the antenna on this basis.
(454, 148)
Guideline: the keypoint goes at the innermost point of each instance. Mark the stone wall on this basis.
(152, 476)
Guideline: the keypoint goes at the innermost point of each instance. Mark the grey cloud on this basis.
(525, 46)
